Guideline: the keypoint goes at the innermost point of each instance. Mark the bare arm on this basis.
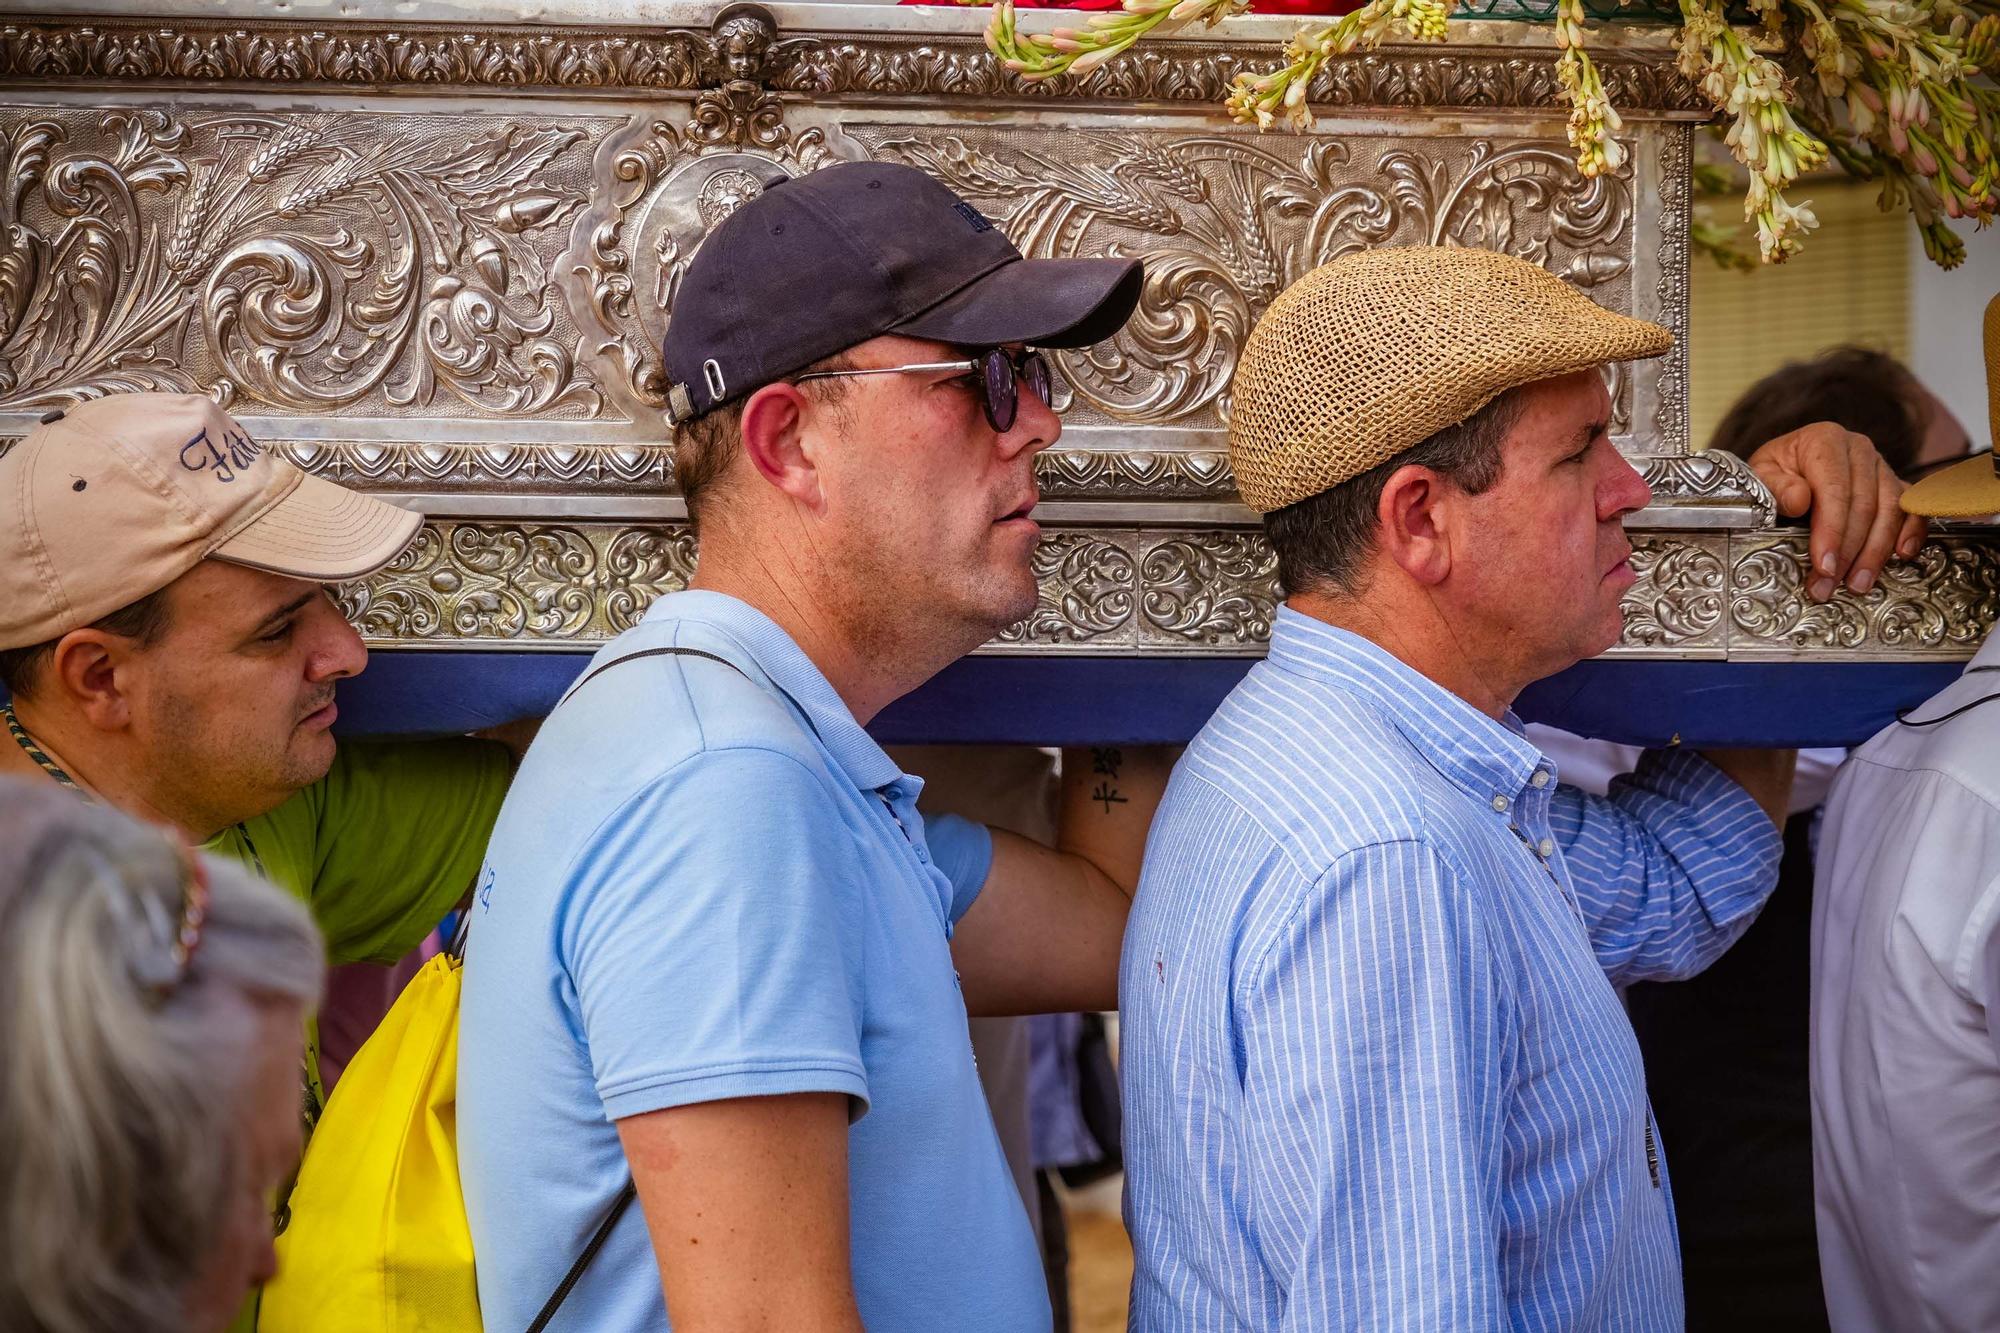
(1765, 774)
(1044, 933)
(746, 1201)
(517, 735)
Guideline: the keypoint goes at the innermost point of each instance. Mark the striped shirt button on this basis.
(1500, 803)
(1545, 848)
(1541, 778)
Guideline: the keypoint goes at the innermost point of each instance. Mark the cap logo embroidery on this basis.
(233, 455)
(973, 216)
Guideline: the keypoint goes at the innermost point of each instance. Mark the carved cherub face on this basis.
(743, 40)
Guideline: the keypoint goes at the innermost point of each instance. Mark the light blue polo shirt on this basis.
(706, 886)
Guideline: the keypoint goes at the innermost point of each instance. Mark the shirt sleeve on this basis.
(1669, 868)
(402, 827)
(710, 928)
(1982, 953)
(963, 850)
(1376, 1061)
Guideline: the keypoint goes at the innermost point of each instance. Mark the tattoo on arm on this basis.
(1106, 763)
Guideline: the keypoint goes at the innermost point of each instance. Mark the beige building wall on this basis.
(1852, 284)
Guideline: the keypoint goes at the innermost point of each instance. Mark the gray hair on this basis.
(1322, 540)
(119, 1160)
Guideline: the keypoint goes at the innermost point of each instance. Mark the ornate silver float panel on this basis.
(433, 259)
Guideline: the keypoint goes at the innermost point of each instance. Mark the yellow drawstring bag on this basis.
(378, 1237)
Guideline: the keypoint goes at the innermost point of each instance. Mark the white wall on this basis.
(1945, 311)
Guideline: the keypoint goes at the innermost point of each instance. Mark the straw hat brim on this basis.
(1969, 489)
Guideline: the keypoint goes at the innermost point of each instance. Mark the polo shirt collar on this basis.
(1476, 753)
(786, 666)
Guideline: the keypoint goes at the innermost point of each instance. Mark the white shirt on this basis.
(1591, 764)
(1906, 1032)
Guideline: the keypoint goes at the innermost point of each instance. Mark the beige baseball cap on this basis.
(1378, 351)
(112, 499)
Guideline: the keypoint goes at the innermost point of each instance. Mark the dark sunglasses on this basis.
(998, 373)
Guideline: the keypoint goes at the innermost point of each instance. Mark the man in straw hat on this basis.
(170, 648)
(1376, 1071)
(1906, 989)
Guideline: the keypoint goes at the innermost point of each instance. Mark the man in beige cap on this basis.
(1905, 1063)
(170, 649)
(1376, 1073)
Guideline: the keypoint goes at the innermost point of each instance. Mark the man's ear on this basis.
(1413, 513)
(87, 669)
(774, 430)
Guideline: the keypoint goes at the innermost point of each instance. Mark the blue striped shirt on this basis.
(1376, 1076)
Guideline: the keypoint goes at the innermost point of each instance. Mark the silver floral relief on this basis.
(1712, 489)
(1136, 590)
(513, 467)
(1675, 214)
(248, 49)
(1148, 591)
(1678, 602)
(293, 262)
(1087, 585)
(519, 585)
(1208, 590)
(1107, 474)
(1226, 221)
(661, 186)
(1941, 604)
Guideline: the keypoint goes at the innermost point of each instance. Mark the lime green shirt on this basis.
(380, 848)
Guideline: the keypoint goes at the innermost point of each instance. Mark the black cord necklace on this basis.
(36, 753)
(1903, 714)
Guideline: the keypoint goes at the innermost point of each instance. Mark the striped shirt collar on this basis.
(1474, 752)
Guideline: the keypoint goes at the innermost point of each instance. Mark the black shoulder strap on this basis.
(561, 1293)
(648, 652)
(625, 1195)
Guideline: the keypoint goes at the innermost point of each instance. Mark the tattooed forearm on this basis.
(1105, 763)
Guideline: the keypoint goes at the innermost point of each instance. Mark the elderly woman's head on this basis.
(151, 1007)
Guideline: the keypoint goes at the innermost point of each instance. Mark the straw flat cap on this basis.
(1970, 489)
(1364, 357)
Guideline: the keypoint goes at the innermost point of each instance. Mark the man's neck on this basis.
(95, 772)
(1417, 634)
(870, 665)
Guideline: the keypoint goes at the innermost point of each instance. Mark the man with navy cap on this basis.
(716, 946)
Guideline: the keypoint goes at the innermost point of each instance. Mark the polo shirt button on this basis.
(1546, 848)
(1541, 778)
(1500, 803)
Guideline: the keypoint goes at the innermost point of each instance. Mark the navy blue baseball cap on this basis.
(825, 261)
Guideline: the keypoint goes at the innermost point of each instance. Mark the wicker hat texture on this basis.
(113, 499)
(1377, 351)
(1970, 489)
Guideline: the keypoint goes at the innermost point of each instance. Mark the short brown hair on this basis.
(705, 448)
(1868, 392)
(144, 620)
(1321, 540)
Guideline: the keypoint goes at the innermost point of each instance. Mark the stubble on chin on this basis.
(309, 760)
